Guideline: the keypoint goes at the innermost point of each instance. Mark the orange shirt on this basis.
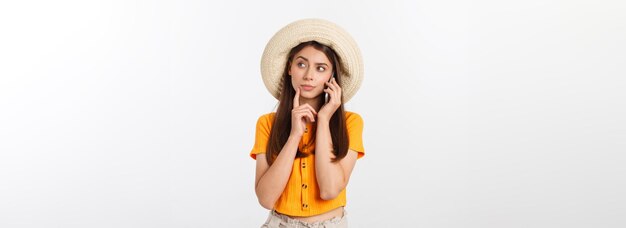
(301, 196)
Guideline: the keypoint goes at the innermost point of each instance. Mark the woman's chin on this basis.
(310, 95)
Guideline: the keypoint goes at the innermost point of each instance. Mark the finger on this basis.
(333, 93)
(331, 89)
(337, 85)
(296, 98)
(305, 114)
(301, 118)
(328, 90)
(305, 108)
(298, 114)
(335, 82)
(331, 85)
(302, 112)
(309, 107)
(310, 115)
(336, 88)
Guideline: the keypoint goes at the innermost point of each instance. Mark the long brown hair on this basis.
(281, 127)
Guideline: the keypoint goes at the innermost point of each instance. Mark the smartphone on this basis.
(326, 98)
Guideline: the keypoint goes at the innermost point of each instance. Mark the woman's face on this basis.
(309, 70)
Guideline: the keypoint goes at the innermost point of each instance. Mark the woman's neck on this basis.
(315, 103)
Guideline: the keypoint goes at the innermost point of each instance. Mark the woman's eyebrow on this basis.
(305, 59)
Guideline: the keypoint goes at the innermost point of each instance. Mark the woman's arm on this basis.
(331, 177)
(271, 180)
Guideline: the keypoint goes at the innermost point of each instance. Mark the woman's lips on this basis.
(307, 88)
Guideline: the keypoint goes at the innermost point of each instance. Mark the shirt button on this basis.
(304, 186)
(305, 205)
(303, 165)
(306, 130)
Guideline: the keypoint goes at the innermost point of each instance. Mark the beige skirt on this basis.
(276, 220)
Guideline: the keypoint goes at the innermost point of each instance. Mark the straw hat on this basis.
(325, 32)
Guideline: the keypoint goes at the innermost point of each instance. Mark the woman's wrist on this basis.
(322, 121)
(294, 138)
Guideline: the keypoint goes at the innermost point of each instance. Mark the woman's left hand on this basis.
(334, 92)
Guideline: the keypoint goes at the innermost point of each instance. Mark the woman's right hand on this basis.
(300, 114)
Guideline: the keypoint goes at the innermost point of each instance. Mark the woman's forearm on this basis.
(330, 175)
(271, 185)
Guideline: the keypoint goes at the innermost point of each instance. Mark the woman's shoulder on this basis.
(267, 117)
(353, 116)
(350, 114)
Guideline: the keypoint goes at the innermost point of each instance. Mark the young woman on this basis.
(307, 149)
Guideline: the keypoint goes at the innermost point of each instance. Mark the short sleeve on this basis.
(354, 124)
(262, 135)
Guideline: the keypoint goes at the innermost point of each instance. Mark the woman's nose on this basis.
(308, 75)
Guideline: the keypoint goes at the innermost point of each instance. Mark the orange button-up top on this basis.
(301, 196)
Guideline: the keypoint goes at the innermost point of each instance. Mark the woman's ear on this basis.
(289, 70)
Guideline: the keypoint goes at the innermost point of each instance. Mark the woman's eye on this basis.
(301, 65)
(320, 69)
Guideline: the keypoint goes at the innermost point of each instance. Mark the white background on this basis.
(477, 113)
